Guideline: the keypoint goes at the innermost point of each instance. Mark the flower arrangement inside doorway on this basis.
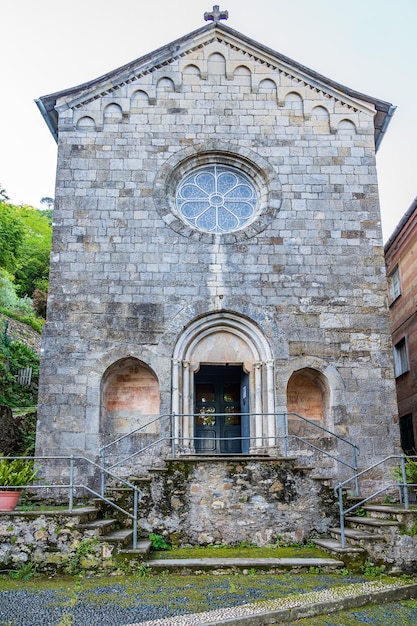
(14, 475)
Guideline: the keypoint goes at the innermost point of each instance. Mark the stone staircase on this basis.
(377, 535)
(370, 536)
(123, 538)
(109, 531)
(106, 527)
(106, 531)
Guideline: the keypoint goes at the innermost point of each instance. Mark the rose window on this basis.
(217, 199)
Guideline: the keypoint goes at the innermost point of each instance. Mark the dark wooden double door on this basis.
(221, 410)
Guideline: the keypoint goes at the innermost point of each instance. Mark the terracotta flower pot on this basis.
(9, 500)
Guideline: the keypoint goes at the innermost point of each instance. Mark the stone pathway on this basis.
(296, 606)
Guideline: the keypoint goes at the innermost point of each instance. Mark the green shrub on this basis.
(371, 570)
(410, 471)
(17, 472)
(158, 542)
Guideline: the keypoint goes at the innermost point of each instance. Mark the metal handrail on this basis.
(174, 438)
(72, 485)
(104, 449)
(286, 436)
(402, 486)
(136, 430)
(329, 432)
(335, 458)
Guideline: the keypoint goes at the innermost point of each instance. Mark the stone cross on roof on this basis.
(216, 15)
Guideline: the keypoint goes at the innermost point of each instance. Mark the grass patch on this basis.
(267, 552)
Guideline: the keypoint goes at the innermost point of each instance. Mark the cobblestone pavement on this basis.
(286, 608)
(183, 601)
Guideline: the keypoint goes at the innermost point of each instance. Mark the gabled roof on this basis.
(180, 47)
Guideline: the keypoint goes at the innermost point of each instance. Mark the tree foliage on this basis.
(33, 260)
(11, 236)
(49, 202)
(25, 243)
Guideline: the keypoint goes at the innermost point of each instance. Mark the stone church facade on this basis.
(217, 259)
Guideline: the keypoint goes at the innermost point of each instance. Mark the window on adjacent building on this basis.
(394, 284)
(400, 357)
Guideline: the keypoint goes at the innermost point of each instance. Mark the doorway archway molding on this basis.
(247, 346)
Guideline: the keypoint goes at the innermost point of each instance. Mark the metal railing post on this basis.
(355, 463)
(135, 519)
(404, 480)
(285, 434)
(173, 435)
(103, 476)
(71, 484)
(341, 515)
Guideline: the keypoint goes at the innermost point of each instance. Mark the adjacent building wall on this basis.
(401, 263)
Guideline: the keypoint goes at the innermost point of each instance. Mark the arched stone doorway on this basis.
(223, 364)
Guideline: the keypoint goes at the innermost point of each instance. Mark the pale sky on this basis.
(51, 45)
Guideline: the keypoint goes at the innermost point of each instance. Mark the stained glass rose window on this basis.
(217, 199)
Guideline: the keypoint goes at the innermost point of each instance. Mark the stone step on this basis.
(354, 535)
(82, 514)
(101, 526)
(383, 511)
(119, 538)
(99, 503)
(139, 480)
(268, 564)
(321, 477)
(335, 546)
(372, 522)
(327, 481)
(143, 548)
(85, 514)
(219, 457)
(352, 498)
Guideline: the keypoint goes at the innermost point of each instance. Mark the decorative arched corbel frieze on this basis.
(257, 79)
(233, 64)
(174, 77)
(337, 118)
(96, 116)
(200, 64)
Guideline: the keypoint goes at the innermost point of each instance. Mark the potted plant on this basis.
(14, 475)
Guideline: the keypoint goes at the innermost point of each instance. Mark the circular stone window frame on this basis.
(184, 162)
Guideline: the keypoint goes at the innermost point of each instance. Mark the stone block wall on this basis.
(229, 502)
(51, 542)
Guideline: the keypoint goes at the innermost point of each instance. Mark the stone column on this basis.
(175, 408)
(187, 420)
(258, 443)
(271, 430)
